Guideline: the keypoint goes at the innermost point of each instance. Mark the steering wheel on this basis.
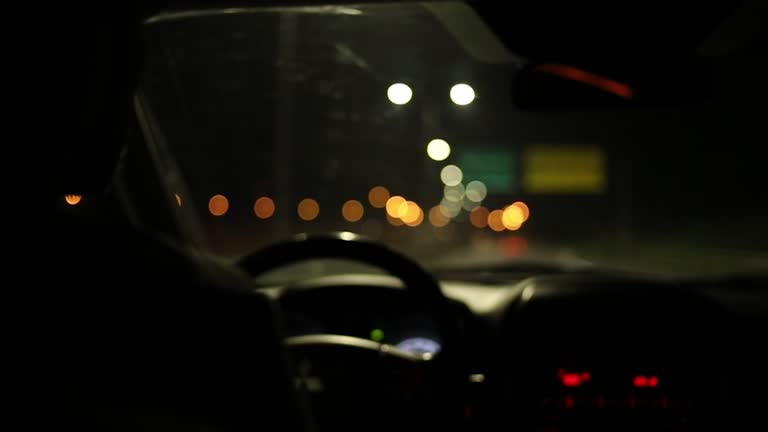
(445, 371)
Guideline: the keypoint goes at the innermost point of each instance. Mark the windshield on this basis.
(396, 122)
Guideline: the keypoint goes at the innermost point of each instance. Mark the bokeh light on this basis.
(352, 211)
(399, 94)
(218, 205)
(438, 150)
(378, 196)
(495, 220)
(402, 210)
(450, 209)
(451, 175)
(72, 199)
(512, 218)
(479, 217)
(377, 335)
(454, 193)
(396, 206)
(469, 205)
(308, 209)
(476, 191)
(462, 94)
(419, 220)
(178, 199)
(523, 208)
(394, 221)
(438, 218)
(264, 208)
(411, 213)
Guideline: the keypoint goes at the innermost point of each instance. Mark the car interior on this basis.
(386, 215)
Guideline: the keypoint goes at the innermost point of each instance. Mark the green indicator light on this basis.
(377, 335)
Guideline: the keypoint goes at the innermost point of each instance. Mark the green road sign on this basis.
(496, 168)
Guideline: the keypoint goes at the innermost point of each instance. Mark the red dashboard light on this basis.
(570, 379)
(640, 381)
(653, 382)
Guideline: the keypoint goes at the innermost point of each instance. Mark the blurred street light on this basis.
(451, 175)
(399, 94)
(438, 150)
(462, 94)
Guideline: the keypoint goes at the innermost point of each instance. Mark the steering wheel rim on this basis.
(342, 245)
(346, 245)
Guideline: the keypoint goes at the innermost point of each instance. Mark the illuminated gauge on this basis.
(420, 345)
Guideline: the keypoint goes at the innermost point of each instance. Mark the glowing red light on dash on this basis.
(640, 381)
(571, 379)
(653, 382)
(620, 89)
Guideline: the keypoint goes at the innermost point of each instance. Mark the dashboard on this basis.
(565, 352)
(369, 307)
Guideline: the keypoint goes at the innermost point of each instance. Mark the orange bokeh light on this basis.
(512, 218)
(495, 220)
(524, 208)
(72, 199)
(410, 213)
(352, 210)
(178, 199)
(395, 205)
(218, 205)
(378, 196)
(418, 221)
(479, 217)
(437, 217)
(308, 209)
(264, 207)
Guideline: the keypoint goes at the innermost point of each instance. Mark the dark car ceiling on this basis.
(545, 29)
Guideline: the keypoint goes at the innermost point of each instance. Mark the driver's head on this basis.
(79, 68)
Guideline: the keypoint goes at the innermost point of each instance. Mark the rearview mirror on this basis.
(614, 83)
